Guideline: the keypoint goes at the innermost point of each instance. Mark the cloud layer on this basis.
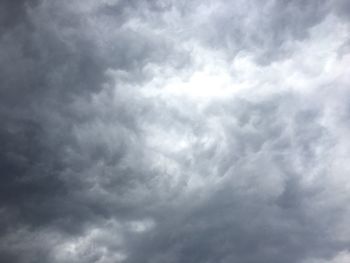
(174, 131)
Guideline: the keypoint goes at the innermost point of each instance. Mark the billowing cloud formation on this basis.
(174, 131)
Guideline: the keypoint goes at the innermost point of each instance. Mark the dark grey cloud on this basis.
(43, 165)
(172, 131)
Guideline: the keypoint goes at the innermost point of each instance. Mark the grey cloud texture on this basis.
(174, 131)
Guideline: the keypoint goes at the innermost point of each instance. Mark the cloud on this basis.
(172, 131)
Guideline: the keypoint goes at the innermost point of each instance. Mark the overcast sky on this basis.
(174, 131)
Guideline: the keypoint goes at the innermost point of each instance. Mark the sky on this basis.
(172, 131)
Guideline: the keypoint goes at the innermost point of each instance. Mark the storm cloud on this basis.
(174, 131)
